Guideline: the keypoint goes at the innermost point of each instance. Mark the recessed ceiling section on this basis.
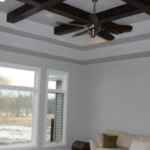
(101, 5)
(49, 19)
(10, 5)
(133, 19)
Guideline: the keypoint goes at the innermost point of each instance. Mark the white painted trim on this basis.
(45, 115)
(54, 144)
(65, 107)
(36, 91)
(55, 91)
(17, 88)
(35, 121)
(18, 147)
(65, 92)
(16, 66)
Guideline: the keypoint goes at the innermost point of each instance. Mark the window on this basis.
(18, 106)
(56, 95)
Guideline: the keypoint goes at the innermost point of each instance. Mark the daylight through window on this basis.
(18, 93)
(56, 102)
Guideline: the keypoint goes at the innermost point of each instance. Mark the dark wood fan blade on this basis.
(118, 28)
(105, 35)
(81, 33)
(70, 24)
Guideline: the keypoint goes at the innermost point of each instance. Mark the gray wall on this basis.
(114, 95)
(74, 93)
(117, 97)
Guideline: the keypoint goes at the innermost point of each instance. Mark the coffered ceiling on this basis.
(125, 13)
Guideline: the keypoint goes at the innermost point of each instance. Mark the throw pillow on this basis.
(109, 141)
(138, 145)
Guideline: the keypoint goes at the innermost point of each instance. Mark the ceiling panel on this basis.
(9, 5)
(101, 5)
(133, 19)
(48, 18)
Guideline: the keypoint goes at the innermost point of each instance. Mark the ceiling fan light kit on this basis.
(95, 28)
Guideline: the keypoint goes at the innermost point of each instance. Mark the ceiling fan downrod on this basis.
(93, 31)
(94, 10)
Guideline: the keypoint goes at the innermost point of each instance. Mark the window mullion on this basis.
(56, 91)
(17, 88)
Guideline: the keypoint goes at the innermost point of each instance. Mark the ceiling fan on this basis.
(95, 28)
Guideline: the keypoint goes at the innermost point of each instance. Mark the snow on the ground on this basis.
(15, 134)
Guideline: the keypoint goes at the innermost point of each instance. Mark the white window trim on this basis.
(18, 88)
(65, 92)
(36, 91)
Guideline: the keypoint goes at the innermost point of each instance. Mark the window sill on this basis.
(18, 147)
(54, 144)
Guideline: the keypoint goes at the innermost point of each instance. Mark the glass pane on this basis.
(54, 117)
(55, 81)
(16, 77)
(15, 117)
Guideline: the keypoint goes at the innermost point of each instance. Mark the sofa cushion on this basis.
(109, 141)
(144, 138)
(93, 144)
(99, 137)
(138, 145)
(124, 139)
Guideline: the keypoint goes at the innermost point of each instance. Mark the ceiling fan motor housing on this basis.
(94, 0)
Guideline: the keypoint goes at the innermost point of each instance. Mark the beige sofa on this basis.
(123, 142)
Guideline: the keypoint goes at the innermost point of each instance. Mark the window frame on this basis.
(36, 92)
(64, 91)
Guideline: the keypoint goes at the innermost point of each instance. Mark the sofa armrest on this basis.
(93, 144)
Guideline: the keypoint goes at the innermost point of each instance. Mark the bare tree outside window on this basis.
(16, 108)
